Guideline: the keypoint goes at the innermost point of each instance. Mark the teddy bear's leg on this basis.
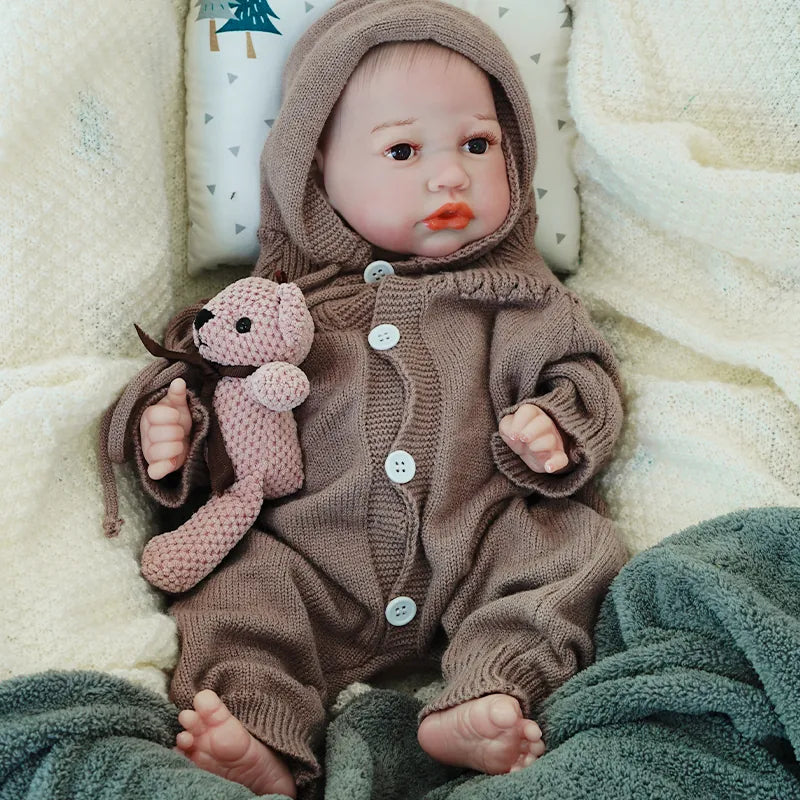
(177, 560)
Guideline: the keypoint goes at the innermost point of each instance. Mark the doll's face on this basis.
(412, 157)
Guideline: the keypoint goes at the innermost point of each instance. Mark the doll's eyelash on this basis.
(490, 137)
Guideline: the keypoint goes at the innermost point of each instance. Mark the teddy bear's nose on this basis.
(203, 316)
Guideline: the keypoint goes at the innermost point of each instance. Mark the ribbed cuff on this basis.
(282, 728)
(497, 671)
(583, 463)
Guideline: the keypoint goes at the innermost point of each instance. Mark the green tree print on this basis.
(251, 15)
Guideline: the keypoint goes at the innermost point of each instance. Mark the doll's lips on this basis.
(450, 215)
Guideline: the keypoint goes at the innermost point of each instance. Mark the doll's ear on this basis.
(294, 321)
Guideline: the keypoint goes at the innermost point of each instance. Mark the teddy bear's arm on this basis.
(279, 386)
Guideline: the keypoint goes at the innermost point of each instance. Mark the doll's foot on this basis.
(488, 734)
(217, 742)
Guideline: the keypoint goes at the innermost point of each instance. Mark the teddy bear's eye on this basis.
(243, 325)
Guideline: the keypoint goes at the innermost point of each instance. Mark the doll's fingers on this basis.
(165, 450)
(523, 417)
(176, 395)
(504, 428)
(177, 389)
(178, 399)
(544, 445)
(162, 414)
(158, 469)
(515, 445)
(538, 427)
(512, 425)
(165, 433)
(556, 462)
(534, 461)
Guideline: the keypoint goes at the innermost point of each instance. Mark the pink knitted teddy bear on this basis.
(253, 322)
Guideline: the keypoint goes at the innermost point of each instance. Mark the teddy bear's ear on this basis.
(294, 320)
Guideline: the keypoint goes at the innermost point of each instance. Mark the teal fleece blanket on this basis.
(695, 694)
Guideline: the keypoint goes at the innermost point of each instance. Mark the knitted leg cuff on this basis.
(498, 671)
(284, 728)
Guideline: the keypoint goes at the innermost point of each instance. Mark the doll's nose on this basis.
(203, 316)
(449, 176)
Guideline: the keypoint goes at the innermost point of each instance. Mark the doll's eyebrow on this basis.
(411, 120)
(394, 124)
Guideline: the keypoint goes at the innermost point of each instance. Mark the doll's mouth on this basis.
(450, 215)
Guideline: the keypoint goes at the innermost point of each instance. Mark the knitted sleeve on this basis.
(173, 490)
(554, 358)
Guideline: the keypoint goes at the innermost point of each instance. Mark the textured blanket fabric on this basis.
(92, 239)
(696, 684)
(689, 168)
(695, 694)
(90, 736)
(689, 165)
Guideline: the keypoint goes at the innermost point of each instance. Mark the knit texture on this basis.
(252, 322)
(93, 239)
(508, 564)
(695, 694)
(689, 165)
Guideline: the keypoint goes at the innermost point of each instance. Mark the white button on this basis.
(383, 337)
(377, 270)
(401, 611)
(399, 466)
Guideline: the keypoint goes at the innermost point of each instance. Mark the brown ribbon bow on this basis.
(219, 463)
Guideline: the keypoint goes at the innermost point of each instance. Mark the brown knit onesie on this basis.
(413, 511)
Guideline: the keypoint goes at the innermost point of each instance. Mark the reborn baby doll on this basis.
(460, 404)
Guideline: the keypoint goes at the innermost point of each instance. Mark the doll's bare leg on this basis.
(488, 734)
(217, 742)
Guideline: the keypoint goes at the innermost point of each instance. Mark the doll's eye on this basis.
(400, 152)
(477, 146)
(243, 325)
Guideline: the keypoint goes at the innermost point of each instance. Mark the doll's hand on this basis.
(534, 437)
(165, 429)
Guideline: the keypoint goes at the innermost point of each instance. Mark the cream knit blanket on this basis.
(688, 159)
(92, 238)
(690, 259)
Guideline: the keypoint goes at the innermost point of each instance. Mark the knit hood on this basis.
(300, 232)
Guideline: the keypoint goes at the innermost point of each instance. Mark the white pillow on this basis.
(233, 95)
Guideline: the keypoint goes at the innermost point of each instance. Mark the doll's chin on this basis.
(443, 243)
